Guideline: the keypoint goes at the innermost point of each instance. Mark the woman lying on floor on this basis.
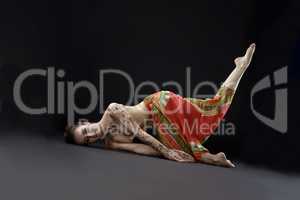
(174, 119)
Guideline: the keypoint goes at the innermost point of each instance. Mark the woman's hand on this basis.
(179, 156)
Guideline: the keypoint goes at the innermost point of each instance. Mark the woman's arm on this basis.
(132, 147)
(171, 154)
(120, 115)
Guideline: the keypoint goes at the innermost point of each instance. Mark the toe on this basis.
(250, 51)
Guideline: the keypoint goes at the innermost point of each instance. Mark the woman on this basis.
(181, 124)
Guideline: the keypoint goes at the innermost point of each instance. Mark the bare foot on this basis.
(220, 159)
(244, 61)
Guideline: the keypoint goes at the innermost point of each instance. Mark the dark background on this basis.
(156, 41)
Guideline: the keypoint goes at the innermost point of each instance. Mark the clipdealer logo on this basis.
(56, 90)
(280, 120)
(60, 91)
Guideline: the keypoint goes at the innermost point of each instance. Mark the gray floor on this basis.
(39, 167)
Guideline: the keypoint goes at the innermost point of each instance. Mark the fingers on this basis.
(186, 160)
(187, 157)
(181, 156)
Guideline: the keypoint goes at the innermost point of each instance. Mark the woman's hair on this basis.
(70, 131)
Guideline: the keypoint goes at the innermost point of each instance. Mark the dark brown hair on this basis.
(69, 133)
(70, 130)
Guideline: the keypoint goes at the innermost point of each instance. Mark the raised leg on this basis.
(221, 102)
(242, 64)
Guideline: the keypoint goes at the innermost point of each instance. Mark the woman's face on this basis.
(87, 133)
